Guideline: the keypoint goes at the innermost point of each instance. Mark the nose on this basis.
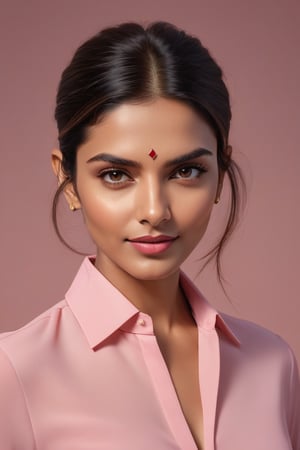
(152, 204)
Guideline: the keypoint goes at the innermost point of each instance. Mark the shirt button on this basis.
(141, 322)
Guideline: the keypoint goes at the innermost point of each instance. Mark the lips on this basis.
(153, 239)
(152, 245)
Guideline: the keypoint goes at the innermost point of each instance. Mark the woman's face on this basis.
(147, 214)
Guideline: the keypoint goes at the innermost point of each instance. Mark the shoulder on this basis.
(261, 348)
(23, 352)
(18, 344)
(266, 362)
(252, 334)
(28, 348)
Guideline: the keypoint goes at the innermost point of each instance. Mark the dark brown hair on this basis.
(130, 62)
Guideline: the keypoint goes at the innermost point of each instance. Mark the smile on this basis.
(150, 245)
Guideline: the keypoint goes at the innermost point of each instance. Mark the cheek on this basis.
(103, 209)
(196, 206)
(197, 215)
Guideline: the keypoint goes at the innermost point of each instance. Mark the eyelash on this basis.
(105, 172)
(199, 167)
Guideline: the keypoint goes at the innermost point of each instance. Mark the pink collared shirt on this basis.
(88, 374)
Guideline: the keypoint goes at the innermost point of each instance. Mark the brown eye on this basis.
(114, 176)
(189, 172)
(186, 172)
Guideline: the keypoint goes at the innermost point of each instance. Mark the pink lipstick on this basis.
(151, 245)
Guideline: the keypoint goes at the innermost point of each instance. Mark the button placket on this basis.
(165, 391)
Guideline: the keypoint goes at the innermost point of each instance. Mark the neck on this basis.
(162, 299)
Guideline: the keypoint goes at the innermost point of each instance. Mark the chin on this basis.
(154, 271)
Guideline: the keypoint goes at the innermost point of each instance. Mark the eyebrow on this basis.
(114, 160)
(189, 156)
(196, 153)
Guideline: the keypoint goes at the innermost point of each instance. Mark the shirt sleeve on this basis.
(294, 403)
(15, 425)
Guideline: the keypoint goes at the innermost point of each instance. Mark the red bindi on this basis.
(153, 154)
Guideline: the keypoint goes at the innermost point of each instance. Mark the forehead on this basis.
(162, 124)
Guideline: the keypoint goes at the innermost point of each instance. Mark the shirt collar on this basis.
(205, 315)
(101, 309)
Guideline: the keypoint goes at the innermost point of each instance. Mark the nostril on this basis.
(144, 222)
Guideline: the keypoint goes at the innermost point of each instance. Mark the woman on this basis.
(134, 357)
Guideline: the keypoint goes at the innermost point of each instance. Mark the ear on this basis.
(69, 190)
(228, 152)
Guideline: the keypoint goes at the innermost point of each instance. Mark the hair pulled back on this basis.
(134, 63)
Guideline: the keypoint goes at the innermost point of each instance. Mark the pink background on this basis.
(257, 44)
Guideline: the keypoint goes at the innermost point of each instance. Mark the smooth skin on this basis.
(123, 201)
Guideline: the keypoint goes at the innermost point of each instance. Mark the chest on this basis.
(132, 388)
(181, 357)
